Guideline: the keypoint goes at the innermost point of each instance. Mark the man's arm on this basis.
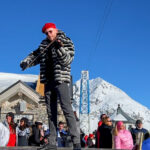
(34, 57)
(27, 62)
(65, 53)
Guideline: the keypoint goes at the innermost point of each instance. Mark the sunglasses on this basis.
(109, 121)
(48, 32)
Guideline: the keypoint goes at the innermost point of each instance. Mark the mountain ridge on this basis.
(105, 97)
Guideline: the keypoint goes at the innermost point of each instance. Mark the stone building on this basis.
(26, 100)
(23, 101)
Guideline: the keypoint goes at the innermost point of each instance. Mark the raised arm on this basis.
(65, 53)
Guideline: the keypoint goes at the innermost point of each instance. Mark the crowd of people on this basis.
(117, 137)
(26, 134)
(106, 135)
(23, 133)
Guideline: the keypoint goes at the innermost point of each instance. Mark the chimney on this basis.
(40, 87)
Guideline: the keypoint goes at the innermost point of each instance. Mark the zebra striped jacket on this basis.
(55, 62)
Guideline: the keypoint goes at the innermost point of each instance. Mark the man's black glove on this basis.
(23, 65)
(58, 44)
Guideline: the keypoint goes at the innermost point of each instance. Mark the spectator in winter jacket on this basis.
(36, 138)
(61, 135)
(105, 133)
(46, 130)
(98, 133)
(23, 132)
(122, 137)
(9, 123)
(84, 140)
(4, 135)
(136, 132)
(55, 55)
(91, 141)
(46, 134)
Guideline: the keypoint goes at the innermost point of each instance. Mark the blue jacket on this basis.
(146, 144)
(61, 138)
(135, 131)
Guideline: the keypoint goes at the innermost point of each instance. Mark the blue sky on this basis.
(121, 33)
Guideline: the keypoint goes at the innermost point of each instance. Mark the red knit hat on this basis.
(48, 25)
(91, 135)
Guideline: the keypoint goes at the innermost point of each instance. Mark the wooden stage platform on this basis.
(35, 148)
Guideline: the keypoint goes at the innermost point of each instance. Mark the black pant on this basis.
(53, 92)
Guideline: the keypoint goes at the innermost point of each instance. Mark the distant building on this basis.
(120, 115)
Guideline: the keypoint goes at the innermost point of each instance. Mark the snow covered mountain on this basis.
(104, 98)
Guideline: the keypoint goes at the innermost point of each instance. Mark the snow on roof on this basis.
(119, 117)
(8, 79)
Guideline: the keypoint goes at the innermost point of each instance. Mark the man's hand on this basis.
(23, 65)
(58, 44)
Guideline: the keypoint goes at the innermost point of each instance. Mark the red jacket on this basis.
(98, 134)
(12, 138)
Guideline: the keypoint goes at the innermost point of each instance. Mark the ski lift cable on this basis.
(101, 29)
(103, 19)
(100, 32)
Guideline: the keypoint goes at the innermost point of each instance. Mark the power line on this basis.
(100, 31)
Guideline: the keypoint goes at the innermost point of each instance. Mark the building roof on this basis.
(29, 85)
(20, 87)
(120, 115)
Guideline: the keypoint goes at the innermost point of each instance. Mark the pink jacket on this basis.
(123, 140)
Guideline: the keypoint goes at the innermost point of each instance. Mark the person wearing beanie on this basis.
(36, 138)
(23, 132)
(10, 114)
(139, 132)
(11, 126)
(91, 141)
(55, 55)
(122, 137)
